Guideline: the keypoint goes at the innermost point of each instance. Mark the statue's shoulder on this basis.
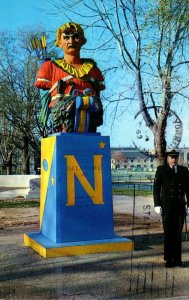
(45, 64)
(90, 60)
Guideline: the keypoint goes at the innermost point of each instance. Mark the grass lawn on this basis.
(18, 203)
(130, 192)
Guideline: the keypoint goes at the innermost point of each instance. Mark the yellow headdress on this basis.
(66, 28)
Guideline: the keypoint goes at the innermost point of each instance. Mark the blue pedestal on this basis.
(76, 210)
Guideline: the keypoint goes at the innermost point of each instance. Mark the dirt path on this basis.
(125, 224)
(123, 275)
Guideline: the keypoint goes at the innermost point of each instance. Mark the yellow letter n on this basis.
(73, 169)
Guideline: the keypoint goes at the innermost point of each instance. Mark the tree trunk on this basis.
(9, 164)
(160, 146)
(158, 127)
(26, 157)
(160, 135)
(9, 169)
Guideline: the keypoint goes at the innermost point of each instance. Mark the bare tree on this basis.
(151, 37)
(19, 100)
(7, 147)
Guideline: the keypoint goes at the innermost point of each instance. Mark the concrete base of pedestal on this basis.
(47, 248)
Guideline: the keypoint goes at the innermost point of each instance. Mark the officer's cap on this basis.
(173, 153)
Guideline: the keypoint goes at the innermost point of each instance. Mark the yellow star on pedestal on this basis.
(52, 180)
(102, 145)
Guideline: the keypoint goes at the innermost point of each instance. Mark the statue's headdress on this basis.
(67, 28)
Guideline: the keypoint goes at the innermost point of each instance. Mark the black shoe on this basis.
(169, 265)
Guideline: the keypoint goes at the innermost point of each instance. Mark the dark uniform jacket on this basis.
(171, 190)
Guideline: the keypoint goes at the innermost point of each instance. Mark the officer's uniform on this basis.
(170, 189)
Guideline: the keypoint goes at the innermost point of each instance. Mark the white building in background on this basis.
(130, 158)
(184, 157)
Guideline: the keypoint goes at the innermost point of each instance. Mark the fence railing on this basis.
(128, 176)
(139, 186)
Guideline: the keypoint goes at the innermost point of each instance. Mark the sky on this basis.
(20, 14)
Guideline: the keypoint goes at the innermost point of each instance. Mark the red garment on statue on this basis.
(49, 73)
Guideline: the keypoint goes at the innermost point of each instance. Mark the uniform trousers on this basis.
(173, 224)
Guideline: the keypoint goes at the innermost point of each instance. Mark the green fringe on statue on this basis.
(44, 114)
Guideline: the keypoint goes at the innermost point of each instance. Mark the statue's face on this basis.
(70, 42)
(172, 160)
